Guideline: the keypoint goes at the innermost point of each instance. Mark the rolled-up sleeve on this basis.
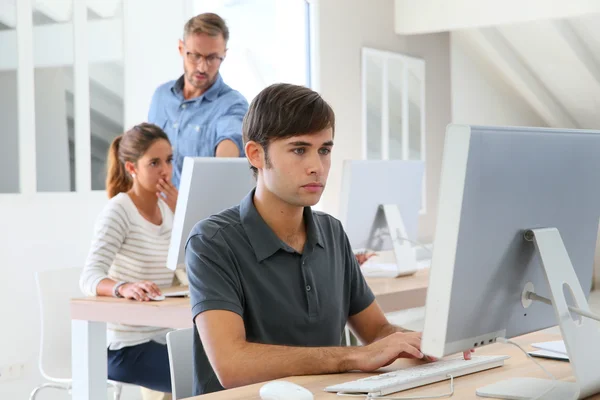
(229, 125)
(153, 116)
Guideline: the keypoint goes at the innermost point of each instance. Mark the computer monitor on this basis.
(518, 213)
(380, 203)
(208, 186)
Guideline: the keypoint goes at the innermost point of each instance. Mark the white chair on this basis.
(55, 289)
(181, 363)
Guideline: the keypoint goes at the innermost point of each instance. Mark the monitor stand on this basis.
(405, 253)
(581, 337)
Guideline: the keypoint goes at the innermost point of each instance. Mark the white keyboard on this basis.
(424, 374)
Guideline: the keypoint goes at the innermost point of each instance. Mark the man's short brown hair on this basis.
(283, 110)
(208, 23)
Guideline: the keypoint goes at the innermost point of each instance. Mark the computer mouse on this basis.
(156, 298)
(284, 390)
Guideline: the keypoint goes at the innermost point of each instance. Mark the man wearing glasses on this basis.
(201, 114)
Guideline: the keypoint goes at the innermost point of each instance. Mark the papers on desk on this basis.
(549, 354)
(554, 350)
(557, 346)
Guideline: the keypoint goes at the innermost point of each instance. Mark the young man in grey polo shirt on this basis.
(272, 282)
(201, 114)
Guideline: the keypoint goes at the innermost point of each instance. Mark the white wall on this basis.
(344, 27)
(426, 16)
(480, 96)
(41, 232)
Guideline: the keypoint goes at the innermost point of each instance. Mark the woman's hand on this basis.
(168, 192)
(140, 291)
(363, 257)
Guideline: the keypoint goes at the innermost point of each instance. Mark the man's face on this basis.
(295, 169)
(202, 56)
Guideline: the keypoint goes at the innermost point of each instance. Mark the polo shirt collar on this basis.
(264, 241)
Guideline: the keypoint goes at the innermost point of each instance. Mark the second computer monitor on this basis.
(208, 186)
(505, 195)
(377, 194)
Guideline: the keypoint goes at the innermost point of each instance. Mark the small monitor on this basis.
(208, 186)
(380, 203)
(518, 214)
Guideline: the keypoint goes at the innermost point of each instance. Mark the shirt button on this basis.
(308, 288)
(175, 125)
(183, 105)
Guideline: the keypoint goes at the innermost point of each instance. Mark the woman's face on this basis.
(154, 165)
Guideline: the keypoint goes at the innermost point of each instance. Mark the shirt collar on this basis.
(264, 241)
(211, 94)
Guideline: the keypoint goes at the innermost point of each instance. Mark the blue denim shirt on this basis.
(196, 126)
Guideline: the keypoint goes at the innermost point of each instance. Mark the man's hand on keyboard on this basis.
(467, 354)
(385, 351)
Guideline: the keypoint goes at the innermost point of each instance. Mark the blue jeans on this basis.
(146, 365)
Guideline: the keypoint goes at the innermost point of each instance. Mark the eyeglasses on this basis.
(211, 59)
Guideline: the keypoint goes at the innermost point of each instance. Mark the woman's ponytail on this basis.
(117, 179)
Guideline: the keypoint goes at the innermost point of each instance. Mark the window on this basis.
(393, 108)
(64, 64)
(268, 42)
(9, 139)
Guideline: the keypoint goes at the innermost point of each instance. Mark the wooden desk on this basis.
(392, 294)
(396, 294)
(89, 317)
(172, 312)
(464, 387)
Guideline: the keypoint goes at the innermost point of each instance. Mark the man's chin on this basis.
(310, 201)
(199, 83)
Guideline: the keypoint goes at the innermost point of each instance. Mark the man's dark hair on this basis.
(281, 111)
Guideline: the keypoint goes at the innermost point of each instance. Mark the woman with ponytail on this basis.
(128, 256)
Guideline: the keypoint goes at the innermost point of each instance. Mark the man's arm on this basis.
(227, 148)
(229, 131)
(238, 362)
(217, 297)
(371, 325)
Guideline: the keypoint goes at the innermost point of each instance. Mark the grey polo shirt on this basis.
(235, 262)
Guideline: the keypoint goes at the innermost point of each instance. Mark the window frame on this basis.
(407, 61)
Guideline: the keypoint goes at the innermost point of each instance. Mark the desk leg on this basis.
(88, 360)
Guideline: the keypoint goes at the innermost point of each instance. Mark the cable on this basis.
(579, 311)
(507, 341)
(439, 396)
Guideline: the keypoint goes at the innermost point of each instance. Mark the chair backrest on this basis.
(181, 363)
(55, 289)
